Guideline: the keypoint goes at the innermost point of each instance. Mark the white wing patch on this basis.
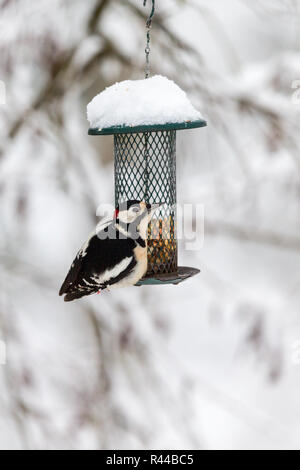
(113, 272)
(137, 273)
(83, 251)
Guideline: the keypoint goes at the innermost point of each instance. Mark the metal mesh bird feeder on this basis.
(145, 170)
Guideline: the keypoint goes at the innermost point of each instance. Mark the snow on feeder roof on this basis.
(142, 105)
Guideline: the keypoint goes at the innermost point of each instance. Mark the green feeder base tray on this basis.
(183, 274)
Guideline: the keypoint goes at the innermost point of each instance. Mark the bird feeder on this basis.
(145, 170)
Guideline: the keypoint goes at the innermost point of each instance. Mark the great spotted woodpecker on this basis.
(114, 256)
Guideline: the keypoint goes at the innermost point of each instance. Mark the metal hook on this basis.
(149, 21)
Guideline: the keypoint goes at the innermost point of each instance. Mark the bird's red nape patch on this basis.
(116, 213)
(99, 292)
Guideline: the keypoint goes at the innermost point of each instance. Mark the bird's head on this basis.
(136, 214)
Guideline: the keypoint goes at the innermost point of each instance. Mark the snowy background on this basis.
(215, 362)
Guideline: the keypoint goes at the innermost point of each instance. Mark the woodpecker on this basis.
(114, 256)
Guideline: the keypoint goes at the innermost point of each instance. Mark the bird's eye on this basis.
(135, 209)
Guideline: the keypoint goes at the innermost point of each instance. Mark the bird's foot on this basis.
(103, 291)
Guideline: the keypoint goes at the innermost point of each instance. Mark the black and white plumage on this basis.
(114, 256)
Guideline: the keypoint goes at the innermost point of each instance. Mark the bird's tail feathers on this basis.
(75, 295)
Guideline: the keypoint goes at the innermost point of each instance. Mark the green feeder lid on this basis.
(175, 126)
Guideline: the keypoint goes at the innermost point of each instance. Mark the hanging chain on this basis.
(147, 52)
(148, 29)
(147, 75)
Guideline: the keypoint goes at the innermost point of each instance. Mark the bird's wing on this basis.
(72, 275)
(76, 268)
(100, 262)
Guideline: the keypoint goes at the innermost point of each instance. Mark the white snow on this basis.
(156, 100)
